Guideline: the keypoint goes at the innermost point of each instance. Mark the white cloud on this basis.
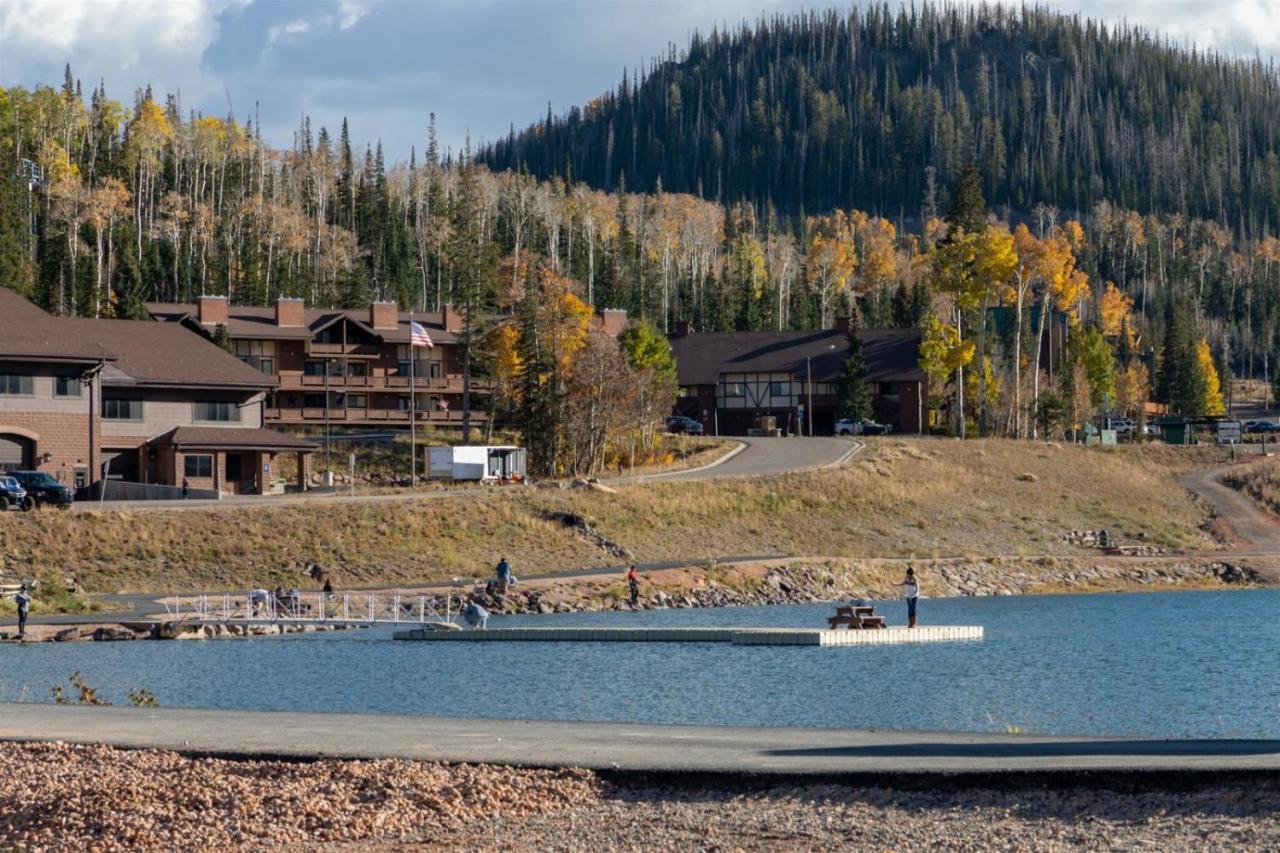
(351, 11)
(128, 43)
(289, 30)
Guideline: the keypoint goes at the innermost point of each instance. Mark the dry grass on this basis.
(1260, 481)
(901, 498)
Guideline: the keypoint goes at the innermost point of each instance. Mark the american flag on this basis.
(418, 336)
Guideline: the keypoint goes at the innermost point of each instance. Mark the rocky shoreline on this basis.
(124, 631)
(788, 581)
(812, 582)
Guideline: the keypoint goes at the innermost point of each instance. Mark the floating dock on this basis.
(735, 636)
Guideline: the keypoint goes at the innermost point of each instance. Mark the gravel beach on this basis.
(57, 797)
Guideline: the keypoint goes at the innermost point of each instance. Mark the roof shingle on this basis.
(891, 355)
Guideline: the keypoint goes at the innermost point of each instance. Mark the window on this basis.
(66, 386)
(216, 411)
(331, 335)
(357, 401)
(357, 368)
(313, 368)
(779, 389)
(197, 466)
(888, 389)
(734, 389)
(260, 355)
(313, 401)
(15, 383)
(114, 409)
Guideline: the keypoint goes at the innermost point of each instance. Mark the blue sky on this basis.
(479, 66)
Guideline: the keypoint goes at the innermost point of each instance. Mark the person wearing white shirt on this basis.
(911, 592)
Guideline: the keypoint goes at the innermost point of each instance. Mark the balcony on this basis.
(442, 384)
(339, 350)
(392, 417)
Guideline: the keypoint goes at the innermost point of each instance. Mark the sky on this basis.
(480, 66)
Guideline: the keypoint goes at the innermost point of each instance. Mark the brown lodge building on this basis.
(347, 366)
(729, 380)
(149, 403)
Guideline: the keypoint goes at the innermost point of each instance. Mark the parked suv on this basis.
(844, 426)
(43, 488)
(684, 424)
(13, 495)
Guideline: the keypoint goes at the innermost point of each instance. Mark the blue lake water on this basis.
(1188, 664)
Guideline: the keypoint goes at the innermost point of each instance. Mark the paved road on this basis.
(764, 456)
(754, 456)
(622, 746)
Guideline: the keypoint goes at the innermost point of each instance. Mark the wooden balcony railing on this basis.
(444, 384)
(367, 416)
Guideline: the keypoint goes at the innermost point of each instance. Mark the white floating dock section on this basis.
(736, 636)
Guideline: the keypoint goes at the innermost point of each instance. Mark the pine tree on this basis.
(968, 208)
(853, 391)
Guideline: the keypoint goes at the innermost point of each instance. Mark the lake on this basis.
(1174, 664)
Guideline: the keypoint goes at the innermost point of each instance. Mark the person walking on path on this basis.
(24, 607)
(186, 488)
(633, 582)
(911, 592)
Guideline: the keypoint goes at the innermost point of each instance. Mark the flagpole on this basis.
(413, 415)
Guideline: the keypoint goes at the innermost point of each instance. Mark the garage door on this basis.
(15, 452)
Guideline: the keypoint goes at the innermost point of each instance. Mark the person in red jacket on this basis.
(633, 581)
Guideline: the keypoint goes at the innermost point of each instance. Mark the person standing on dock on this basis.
(633, 583)
(24, 607)
(910, 591)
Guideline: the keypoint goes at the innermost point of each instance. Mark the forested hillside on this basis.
(106, 204)
(880, 107)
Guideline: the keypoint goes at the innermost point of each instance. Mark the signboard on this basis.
(1228, 432)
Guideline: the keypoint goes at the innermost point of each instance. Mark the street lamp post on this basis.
(808, 384)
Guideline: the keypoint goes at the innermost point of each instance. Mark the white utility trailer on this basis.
(493, 463)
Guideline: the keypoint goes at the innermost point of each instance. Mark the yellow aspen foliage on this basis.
(1213, 402)
(942, 351)
(974, 381)
(1114, 307)
(1133, 388)
(506, 364)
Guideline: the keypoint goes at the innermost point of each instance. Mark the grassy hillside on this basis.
(900, 498)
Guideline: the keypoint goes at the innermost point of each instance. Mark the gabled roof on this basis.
(891, 355)
(232, 438)
(256, 322)
(140, 352)
(25, 330)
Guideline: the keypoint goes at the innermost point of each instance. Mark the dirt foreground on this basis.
(57, 797)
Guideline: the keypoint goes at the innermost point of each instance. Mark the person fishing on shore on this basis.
(911, 592)
(24, 607)
(633, 582)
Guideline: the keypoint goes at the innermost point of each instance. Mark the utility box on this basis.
(477, 463)
(1229, 432)
(1175, 430)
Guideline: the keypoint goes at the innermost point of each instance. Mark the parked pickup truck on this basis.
(43, 488)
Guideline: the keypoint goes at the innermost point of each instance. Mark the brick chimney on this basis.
(844, 325)
(290, 312)
(212, 311)
(450, 318)
(384, 315)
(612, 320)
(682, 329)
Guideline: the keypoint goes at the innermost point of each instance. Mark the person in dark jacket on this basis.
(633, 582)
(24, 607)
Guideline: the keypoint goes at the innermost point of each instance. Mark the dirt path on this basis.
(1257, 530)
